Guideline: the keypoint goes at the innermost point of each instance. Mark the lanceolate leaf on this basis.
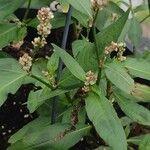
(7, 7)
(70, 63)
(145, 143)
(104, 17)
(85, 54)
(4, 55)
(103, 148)
(35, 125)
(10, 32)
(81, 115)
(111, 33)
(135, 32)
(135, 111)
(52, 63)
(138, 67)
(83, 6)
(105, 120)
(11, 77)
(52, 138)
(37, 98)
(69, 81)
(81, 17)
(136, 140)
(37, 4)
(142, 92)
(118, 76)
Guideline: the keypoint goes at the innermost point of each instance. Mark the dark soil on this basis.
(14, 114)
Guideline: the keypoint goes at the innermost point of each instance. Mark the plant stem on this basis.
(60, 66)
(27, 10)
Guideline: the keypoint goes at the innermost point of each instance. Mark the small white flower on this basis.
(26, 62)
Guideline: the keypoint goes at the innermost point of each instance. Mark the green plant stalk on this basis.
(27, 10)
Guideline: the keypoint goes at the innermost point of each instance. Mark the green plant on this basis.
(92, 81)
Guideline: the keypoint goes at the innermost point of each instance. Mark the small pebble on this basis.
(3, 133)
(9, 131)
(14, 103)
(26, 115)
(21, 110)
(2, 127)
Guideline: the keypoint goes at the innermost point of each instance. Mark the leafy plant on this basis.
(93, 78)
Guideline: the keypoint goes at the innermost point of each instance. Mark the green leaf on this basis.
(18, 145)
(8, 33)
(51, 138)
(126, 121)
(37, 98)
(136, 140)
(145, 143)
(37, 4)
(118, 76)
(70, 63)
(111, 33)
(142, 92)
(124, 32)
(21, 33)
(69, 81)
(81, 115)
(4, 55)
(104, 17)
(77, 46)
(81, 17)
(135, 33)
(11, 77)
(35, 125)
(103, 148)
(85, 54)
(7, 7)
(83, 6)
(52, 64)
(37, 70)
(136, 112)
(105, 120)
(138, 67)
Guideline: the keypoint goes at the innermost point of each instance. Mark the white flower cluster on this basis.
(99, 4)
(39, 42)
(117, 47)
(44, 28)
(26, 62)
(91, 79)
